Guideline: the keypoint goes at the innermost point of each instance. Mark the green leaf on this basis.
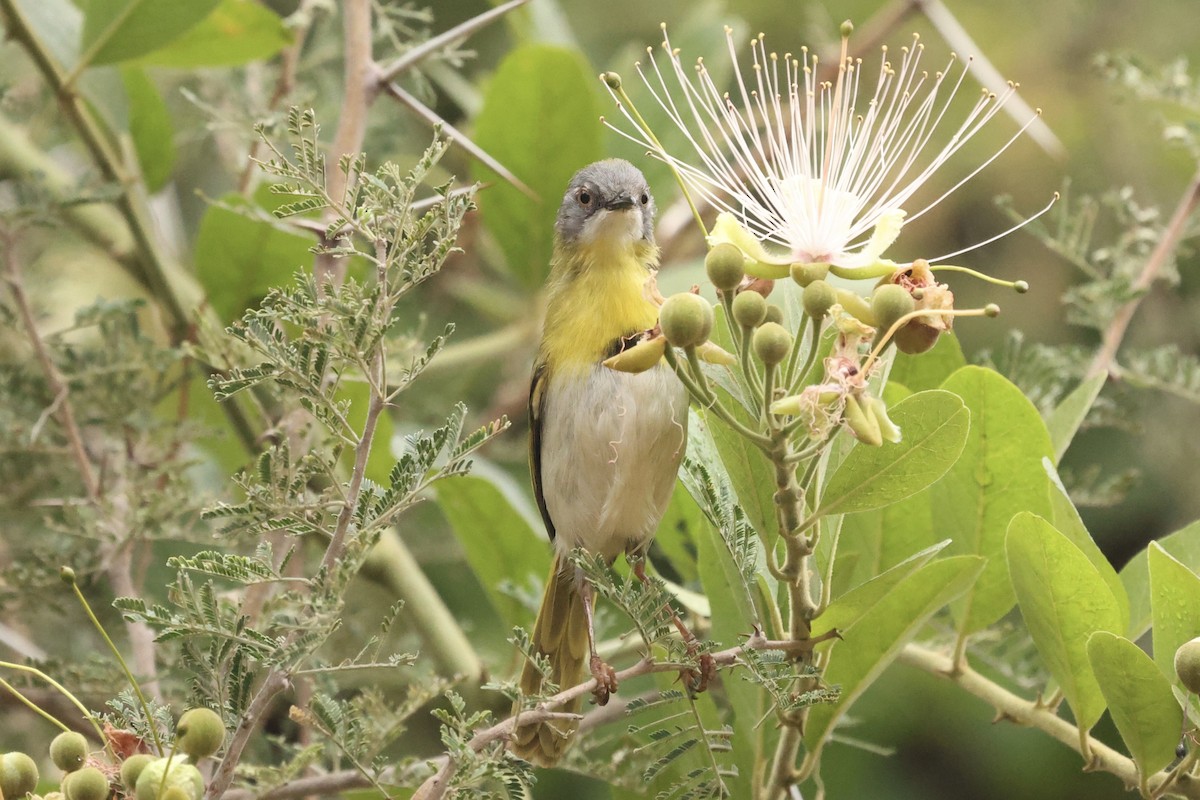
(1139, 698)
(1068, 522)
(118, 30)
(1184, 546)
(1175, 606)
(1063, 600)
(150, 128)
(843, 612)
(928, 370)
(540, 120)
(499, 534)
(1064, 421)
(873, 640)
(236, 32)
(750, 474)
(879, 539)
(678, 533)
(934, 425)
(239, 259)
(999, 474)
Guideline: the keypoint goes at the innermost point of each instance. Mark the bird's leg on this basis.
(605, 675)
(695, 679)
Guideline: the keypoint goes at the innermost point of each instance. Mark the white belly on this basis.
(611, 446)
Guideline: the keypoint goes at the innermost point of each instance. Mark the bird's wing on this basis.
(537, 404)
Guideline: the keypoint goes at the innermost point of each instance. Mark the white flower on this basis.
(820, 169)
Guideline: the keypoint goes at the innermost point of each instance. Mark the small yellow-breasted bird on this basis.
(605, 446)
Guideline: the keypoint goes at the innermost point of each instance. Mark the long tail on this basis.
(560, 634)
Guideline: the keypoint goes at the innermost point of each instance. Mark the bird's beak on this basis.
(619, 203)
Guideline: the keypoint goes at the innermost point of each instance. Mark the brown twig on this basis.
(275, 682)
(1105, 359)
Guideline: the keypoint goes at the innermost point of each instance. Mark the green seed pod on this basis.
(863, 425)
(888, 304)
(132, 767)
(774, 314)
(772, 343)
(88, 783)
(1187, 665)
(200, 732)
(639, 358)
(749, 309)
(818, 296)
(686, 319)
(804, 274)
(68, 750)
(18, 775)
(855, 306)
(713, 354)
(725, 266)
(182, 775)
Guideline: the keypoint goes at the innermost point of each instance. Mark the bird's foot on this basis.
(696, 678)
(606, 680)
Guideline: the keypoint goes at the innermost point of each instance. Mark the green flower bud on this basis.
(713, 354)
(888, 304)
(182, 775)
(878, 411)
(686, 319)
(68, 750)
(855, 306)
(201, 732)
(772, 343)
(67, 575)
(774, 314)
(749, 309)
(1187, 665)
(804, 274)
(18, 775)
(862, 424)
(132, 767)
(725, 266)
(818, 296)
(88, 783)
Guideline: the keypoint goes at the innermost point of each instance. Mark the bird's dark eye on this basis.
(645, 198)
(584, 198)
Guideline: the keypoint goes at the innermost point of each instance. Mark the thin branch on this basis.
(276, 681)
(414, 56)
(1026, 712)
(1174, 233)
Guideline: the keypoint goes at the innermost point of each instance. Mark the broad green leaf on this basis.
(1066, 518)
(118, 30)
(502, 540)
(678, 532)
(150, 128)
(236, 32)
(879, 539)
(1184, 546)
(1064, 421)
(872, 642)
(1139, 698)
(540, 120)
(934, 427)
(843, 612)
(749, 472)
(928, 370)
(999, 474)
(239, 259)
(1175, 606)
(1063, 600)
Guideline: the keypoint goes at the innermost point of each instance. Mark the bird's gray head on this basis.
(608, 201)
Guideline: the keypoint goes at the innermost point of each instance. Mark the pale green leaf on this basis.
(236, 32)
(150, 128)
(1184, 546)
(877, 540)
(1175, 606)
(118, 30)
(540, 120)
(1064, 421)
(999, 474)
(1063, 600)
(928, 370)
(1139, 698)
(934, 425)
(874, 639)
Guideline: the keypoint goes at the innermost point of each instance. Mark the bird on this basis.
(605, 445)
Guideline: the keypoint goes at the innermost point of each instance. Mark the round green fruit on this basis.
(18, 775)
(686, 319)
(889, 303)
(200, 733)
(1187, 665)
(749, 309)
(725, 266)
(772, 343)
(88, 783)
(68, 751)
(132, 767)
(817, 298)
(182, 775)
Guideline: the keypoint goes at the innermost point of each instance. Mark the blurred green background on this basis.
(944, 745)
